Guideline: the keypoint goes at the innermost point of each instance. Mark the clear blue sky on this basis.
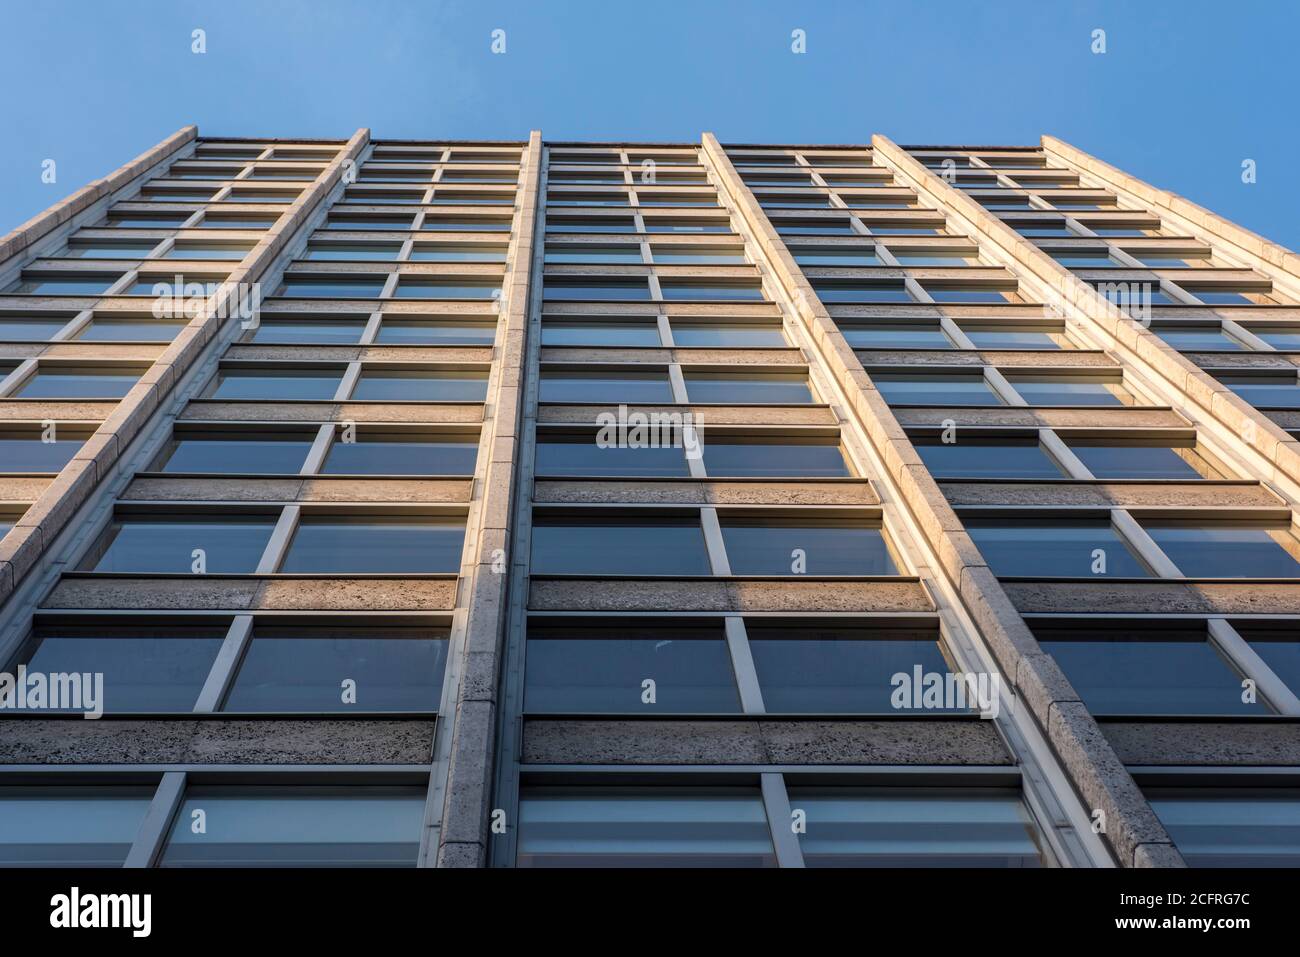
(1184, 93)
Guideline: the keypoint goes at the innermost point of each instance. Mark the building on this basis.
(534, 503)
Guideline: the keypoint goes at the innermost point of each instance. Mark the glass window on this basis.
(700, 255)
(64, 285)
(771, 388)
(457, 253)
(1231, 827)
(360, 826)
(992, 458)
(191, 250)
(915, 827)
(935, 389)
(728, 335)
(1278, 643)
(332, 288)
(810, 667)
(330, 544)
(629, 334)
(738, 456)
(1147, 669)
(561, 454)
(861, 292)
(101, 250)
(384, 453)
(599, 544)
(674, 289)
(985, 338)
(605, 387)
(1229, 551)
(339, 221)
(478, 224)
(589, 253)
(444, 385)
(1193, 338)
(960, 294)
(323, 332)
(353, 251)
(900, 335)
(76, 384)
(24, 329)
(1275, 392)
(1120, 459)
(421, 333)
(580, 668)
(234, 452)
(147, 669)
(1071, 391)
(25, 451)
(126, 330)
(332, 669)
(157, 544)
(70, 826)
(606, 224)
(1279, 337)
(274, 385)
(643, 827)
(810, 546)
(637, 289)
(1052, 549)
(835, 255)
(411, 289)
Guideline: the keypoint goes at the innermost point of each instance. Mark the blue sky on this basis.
(1183, 94)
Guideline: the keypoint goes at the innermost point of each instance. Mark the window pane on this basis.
(375, 545)
(70, 826)
(156, 671)
(1011, 339)
(393, 332)
(807, 547)
(602, 387)
(1041, 550)
(728, 336)
(1266, 392)
(805, 667)
(972, 458)
(594, 670)
(301, 330)
(408, 289)
(25, 452)
(582, 455)
(1147, 671)
(1229, 552)
(599, 333)
(336, 288)
(76, 385)
(658, 545)
(935, 390)
(137, 544)
(931, 827)
(660, 827)
(1237, 827)
(292, 671)
(1072, 392)
(368, 456)
(1142, 462)
(282, 385)
(726, 388)
(29, 330)
(234, 454)
(442, 386)
(298, 827)
(914, 335)
(729, 458)
(117, 330)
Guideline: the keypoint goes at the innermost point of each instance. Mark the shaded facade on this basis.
(544, 503)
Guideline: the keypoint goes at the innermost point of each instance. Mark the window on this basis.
(1267, 392)
(588, 253)
(1066, 390)
(341, 221)
(680, 289)
(577, 667)
(25, 329)
(353, 251)
(728, 335)
(1014, 338)
(61, 285)
(619, 544)
(1139, 459)
(192, 250)
(444, 385)
(477, 224)
(895, 335)
(834, 667)
(361, 826)
(759, 545)
(625, 334)
(1197, 338)
(634, 289)
(1147, 668)
(322, 332)
(70, 826)
(157, 544)
(740, 388)
(101, 250)
(26, 451)
(935, 389)
(605, 224)
(560, 454)
(395, 453)
(700, 255)
(861, 292)
(147, 668)
(214, 451)
(1231, 827)
(274, 384)
(966, 294)
(605, 387)
(915, 827)
(1285, 338)
(643, 827)
(366, 544)
(1277, 643)
(409, 288)
(1228, 551)
(68, 382)
(1050, 549)
(304, 288)
(745, 456)
(303, 669)
(987, 458)
(835, 255)
(433, 333)
(127, 330)
(457, 252)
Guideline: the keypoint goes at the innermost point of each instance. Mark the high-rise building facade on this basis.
(536, 503)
